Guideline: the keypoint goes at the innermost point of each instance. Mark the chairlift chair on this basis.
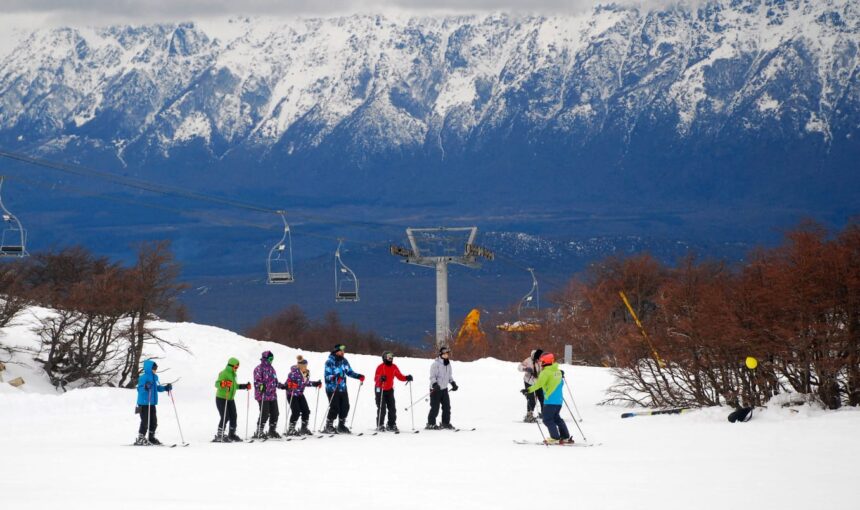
(531, 301)
(345, 281)
(279, 265)
(13, 242)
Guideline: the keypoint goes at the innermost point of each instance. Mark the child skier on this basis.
(531, 368)
(384, 386)
(224, 396)
(147, 398)
(441, 375)
(551, 382)
(336, 370)
(266, 388)
(297, 381)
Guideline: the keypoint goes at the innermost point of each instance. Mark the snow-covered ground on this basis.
(67, 451)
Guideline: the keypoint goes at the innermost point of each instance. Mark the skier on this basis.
(384, 386)
(440, 377)
(224, 396)
(336, 370)
(297, 381)
(531, 368)
(266, 388)
(551, 381)
(147, 398)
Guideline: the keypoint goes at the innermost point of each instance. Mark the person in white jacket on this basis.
(531, 368)
(441, 375)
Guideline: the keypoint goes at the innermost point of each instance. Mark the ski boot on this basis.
(341, 428)
(141, 440)
(392, 428)
(530, 417)
(551, 441)
(233, 438)
(220, 437)
(305, 431)
(153, 440)
(259, 434)
(380, 428)
(273, 434)
(431, 426)
(447, 426)
(292, 430)
(329, 428)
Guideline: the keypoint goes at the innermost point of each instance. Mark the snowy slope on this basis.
(67, 449)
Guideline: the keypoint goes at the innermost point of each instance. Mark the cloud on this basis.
(94, 12)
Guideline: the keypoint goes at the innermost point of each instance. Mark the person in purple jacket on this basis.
(266, 387)
(297, 381)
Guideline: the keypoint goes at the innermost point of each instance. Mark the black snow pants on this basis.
(148, 419)
(530, 398)
(299, 407)
(339, 407)
(227, 407)
(436, 398)
(268, 413)
(385, 401)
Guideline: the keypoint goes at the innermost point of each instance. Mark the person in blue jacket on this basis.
(147, 398)
(337, 369)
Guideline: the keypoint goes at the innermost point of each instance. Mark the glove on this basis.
(454, 386)
(262, 387)
(246, 386)
(168, 387)
(292, 385)
(226, 384)
(316, 384)
(562, 373)
(360, 377)
(382, 378)
(524, 391)
(435, 387)
(530, 371)
(339, 381)
(408, 378)
(147, 386)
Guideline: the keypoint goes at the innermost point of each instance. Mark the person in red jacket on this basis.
(384, 382)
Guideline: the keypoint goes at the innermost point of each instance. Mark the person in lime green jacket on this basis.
(224, 395)
(551, 381)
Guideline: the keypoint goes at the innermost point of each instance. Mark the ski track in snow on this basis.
(67, 450)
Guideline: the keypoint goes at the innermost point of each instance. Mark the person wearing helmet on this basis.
(297, 381)
(441, 375)
(147, 398)
(337, 369)
(266, 388)
(384, 391)
(224, 401)
(531, 369)
(551, 381)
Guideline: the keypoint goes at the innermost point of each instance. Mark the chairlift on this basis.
(345, 281)
(13, 242)
(280, 262)
(531, 301)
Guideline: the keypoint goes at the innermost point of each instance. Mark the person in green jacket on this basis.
(551, 381)
(226, 392)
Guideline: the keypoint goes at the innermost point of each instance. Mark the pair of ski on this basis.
(457, 430)
(570, 444)
(174, 445)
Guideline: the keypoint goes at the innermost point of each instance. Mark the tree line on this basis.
(795, 308)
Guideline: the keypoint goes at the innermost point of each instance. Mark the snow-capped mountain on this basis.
(709, 102)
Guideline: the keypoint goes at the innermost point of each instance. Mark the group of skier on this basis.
(542, 378)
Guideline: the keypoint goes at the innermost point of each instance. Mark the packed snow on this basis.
(70, 450)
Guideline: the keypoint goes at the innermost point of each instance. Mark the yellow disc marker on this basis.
(751, 363)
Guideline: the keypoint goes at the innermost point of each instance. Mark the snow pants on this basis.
(148, 419)
(268, 413)
(385, 401)
(299, 407)
(226, 413)
(339, 407)
(554, 424)
(530, 398)
(437, 398)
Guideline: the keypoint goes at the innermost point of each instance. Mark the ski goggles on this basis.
(389, 356)
(235, 367)
(341, 347)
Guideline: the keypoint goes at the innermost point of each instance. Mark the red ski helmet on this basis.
(547, 358)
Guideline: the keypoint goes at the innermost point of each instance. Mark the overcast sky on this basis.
(142, 11)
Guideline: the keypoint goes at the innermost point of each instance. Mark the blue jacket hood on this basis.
(147, 366)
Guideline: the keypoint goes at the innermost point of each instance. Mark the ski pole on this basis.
(416, 401)
(316, 407)
(247, 411)
(570, 393)
(290, 409)
(413, 409)
(354, 409)
(181, 436)
(379, 404)
(328, 408)
(575, 422)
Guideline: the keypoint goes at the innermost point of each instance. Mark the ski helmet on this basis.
(387, 356)
(547, 359)
(268, 356)
(444, 350)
